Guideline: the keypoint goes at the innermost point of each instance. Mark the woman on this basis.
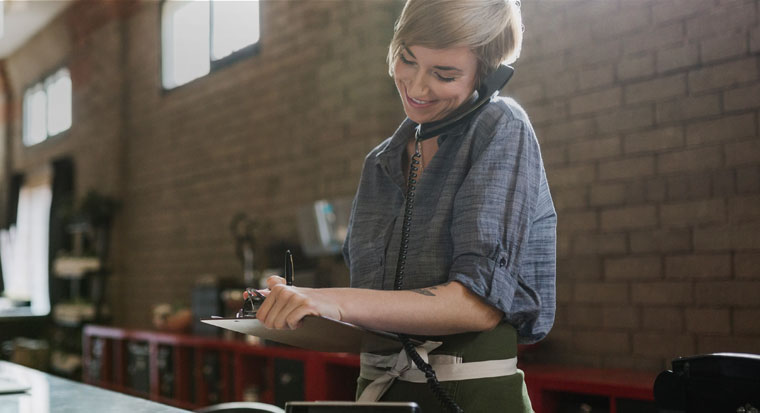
(479, 265)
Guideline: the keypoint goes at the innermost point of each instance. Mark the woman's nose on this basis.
(418, 87)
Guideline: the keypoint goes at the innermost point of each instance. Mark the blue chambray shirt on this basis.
(483, 216)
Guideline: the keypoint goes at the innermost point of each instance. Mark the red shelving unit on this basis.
(208, 370)
(619, 391)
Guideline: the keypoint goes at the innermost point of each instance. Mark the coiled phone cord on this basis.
(426, 368)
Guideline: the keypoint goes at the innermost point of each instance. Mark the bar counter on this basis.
(50, 394)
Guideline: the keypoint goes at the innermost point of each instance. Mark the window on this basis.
(24, 247)
(47, 108)
(198, 34)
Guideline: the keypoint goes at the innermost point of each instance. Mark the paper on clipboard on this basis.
(317, 333)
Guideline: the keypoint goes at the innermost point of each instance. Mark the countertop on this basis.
(50, 394)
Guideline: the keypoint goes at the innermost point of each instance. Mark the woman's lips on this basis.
(415, 103)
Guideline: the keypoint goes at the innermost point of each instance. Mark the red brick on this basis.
(570, 198)
(693, 213)
(546, 112)
(724, 46)
(747, 97)
(723, 76)
(657, 89)
(743, 153)
(528, 93)
(740, 15)
(594, 342)
(728, 344)
(656, 190)
(636, 363)
(690, 160)
(594, 149)
(727, 237)
(748, 179)
(663, 318)
(627, 168)
(708, 320)
(599, 244)
(671, 240)
(560, 85)
(698, 266)
(579, 268)
(654, 141)
(605, 51)
(663, 11)
(570, 175)
(620, 317)
(691, 107)
(733, 293)
(584, 316)
(596, 101)
(744, 208)
(625, 119)
(554, 154)
(564, 292)
(680, 57)
(689, 187)
(655, 39)
(629, 217)
(747, 265)
(723, 183)
(635, 66)
(724, 129)
(626, 20)
(662, 293)
(607, 194)
(663, 344)
(566, 131)
(596, 77)
(578, 221)
(747, 322)
(633, 268)
(601, 293)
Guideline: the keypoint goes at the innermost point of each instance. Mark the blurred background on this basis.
(153, 152)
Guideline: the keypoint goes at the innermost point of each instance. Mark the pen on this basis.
(288, 268)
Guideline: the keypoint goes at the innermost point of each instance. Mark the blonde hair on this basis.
(492, 29)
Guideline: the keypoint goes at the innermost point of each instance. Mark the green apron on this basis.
(495, 394)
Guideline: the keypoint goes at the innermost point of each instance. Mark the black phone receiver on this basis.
(490, 86)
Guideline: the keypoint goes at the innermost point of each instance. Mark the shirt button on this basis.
(502, 262)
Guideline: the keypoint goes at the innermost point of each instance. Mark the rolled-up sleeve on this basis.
(493, 214)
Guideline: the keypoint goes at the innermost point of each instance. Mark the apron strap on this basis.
(384, 370)
(384, 376)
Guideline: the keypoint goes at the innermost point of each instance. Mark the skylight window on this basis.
(199, 33)
(47, 108)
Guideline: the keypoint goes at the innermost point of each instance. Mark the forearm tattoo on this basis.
(428, 291)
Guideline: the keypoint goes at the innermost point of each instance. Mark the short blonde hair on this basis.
(492, 29)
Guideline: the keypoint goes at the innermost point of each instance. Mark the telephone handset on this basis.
(490, 86)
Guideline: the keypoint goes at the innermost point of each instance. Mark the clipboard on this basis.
(318, 333)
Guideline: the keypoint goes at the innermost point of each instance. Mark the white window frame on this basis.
(34, 117)
(207, 45)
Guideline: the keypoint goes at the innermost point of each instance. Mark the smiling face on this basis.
(434, 82)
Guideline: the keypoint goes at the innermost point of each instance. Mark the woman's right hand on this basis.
(286, 305)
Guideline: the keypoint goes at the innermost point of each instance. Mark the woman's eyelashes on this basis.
(440, 77)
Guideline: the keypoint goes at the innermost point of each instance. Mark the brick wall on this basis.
(646, 110)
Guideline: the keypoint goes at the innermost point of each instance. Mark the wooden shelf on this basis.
(208, 370)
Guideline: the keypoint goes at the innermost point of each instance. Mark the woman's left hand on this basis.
(285, 305)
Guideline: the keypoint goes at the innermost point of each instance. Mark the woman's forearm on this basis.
(438, 310)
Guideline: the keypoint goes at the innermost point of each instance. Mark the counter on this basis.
(50, 394)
